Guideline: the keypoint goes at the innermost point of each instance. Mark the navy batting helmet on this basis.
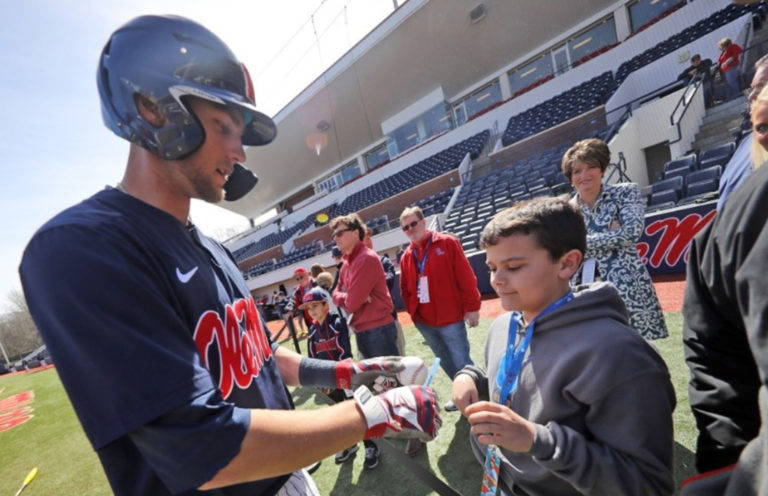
(164, 59)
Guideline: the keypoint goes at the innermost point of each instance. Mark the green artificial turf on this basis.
(54, 442)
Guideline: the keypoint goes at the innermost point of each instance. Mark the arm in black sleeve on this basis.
(723, 389)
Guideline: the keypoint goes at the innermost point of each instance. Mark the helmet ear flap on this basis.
(148, 110)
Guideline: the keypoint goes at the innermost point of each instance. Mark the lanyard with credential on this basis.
(511, 364)
(420, 265)
(506, 383)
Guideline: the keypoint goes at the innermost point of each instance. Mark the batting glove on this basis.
(381, 373)
(404, 412)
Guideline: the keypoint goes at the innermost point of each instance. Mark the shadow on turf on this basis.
(458, 465)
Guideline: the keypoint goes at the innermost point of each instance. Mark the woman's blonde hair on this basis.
(759, 154)
(724, 43)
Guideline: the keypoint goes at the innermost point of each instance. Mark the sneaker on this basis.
(450, 407)
(371, 457)
(346, 454)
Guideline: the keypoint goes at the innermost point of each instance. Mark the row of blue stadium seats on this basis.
(697, 185)
(718, 155)
(560, 108)
(418, 173)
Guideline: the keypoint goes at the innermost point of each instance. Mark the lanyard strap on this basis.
(423, 263)
(509, 369)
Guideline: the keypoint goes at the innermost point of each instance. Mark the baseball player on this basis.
(155, 335)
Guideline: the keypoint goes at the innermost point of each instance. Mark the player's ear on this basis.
(570, 263)
(148, 110)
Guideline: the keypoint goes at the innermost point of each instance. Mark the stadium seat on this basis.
(700, 188)
(717, 156)
(688, 161)
(679, 172)
(673, 183)
(667, 195)
(710, 173)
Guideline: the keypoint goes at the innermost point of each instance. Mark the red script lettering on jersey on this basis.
(241, 354)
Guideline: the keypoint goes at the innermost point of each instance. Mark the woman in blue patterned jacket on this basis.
(614, 214)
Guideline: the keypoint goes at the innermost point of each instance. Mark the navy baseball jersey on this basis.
(157, 341)
(329, 340)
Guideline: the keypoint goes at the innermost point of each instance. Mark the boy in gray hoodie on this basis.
(573, 400)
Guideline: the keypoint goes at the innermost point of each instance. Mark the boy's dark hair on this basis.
(353, 223)
(555, 223)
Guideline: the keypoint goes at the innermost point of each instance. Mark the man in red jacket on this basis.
(363, 295)
(439, 290)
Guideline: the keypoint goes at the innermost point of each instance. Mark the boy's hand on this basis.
(404, 412)
(464, 392)
(496, 424)
(381, 373)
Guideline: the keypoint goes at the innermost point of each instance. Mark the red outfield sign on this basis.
(15, 410)
(667, 236)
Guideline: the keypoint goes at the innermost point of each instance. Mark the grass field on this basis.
(54, 442)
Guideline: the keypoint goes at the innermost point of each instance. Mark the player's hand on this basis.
(493, 423)
(404, 412)
(381, 373)
(472, 318)
(464, 392)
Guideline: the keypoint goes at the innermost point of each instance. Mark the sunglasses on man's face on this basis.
(299, 278)
(407, 227)
(337, 234)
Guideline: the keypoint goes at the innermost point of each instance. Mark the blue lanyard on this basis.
(423, 263)
(512, 362)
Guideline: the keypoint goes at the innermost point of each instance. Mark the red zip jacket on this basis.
(452, 283)
(362, 275)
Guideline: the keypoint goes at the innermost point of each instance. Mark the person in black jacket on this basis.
(725, 314)
(702, 69)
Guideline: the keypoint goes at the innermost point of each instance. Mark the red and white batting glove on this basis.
(381, 373)
(404, 412)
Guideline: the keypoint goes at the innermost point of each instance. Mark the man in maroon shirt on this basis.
(363, 295)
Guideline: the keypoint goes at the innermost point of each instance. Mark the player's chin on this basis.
(211, 195)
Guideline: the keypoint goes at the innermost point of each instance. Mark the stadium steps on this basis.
(720, 123)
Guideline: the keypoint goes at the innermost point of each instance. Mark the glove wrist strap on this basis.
(314, 372)
(371, 408)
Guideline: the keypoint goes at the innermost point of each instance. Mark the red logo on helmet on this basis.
(241, 354)
(248, 84)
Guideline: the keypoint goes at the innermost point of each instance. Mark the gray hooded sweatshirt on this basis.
(601, 399)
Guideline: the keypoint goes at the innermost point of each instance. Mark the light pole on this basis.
(2, 348)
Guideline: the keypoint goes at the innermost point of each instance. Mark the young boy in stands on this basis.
(572, 400)
(328, 340)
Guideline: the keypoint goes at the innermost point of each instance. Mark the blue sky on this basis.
(54, 149)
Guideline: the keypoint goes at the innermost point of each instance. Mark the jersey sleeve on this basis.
(123, 352)
(187, 446)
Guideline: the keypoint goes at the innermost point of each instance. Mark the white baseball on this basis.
(415, 371)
